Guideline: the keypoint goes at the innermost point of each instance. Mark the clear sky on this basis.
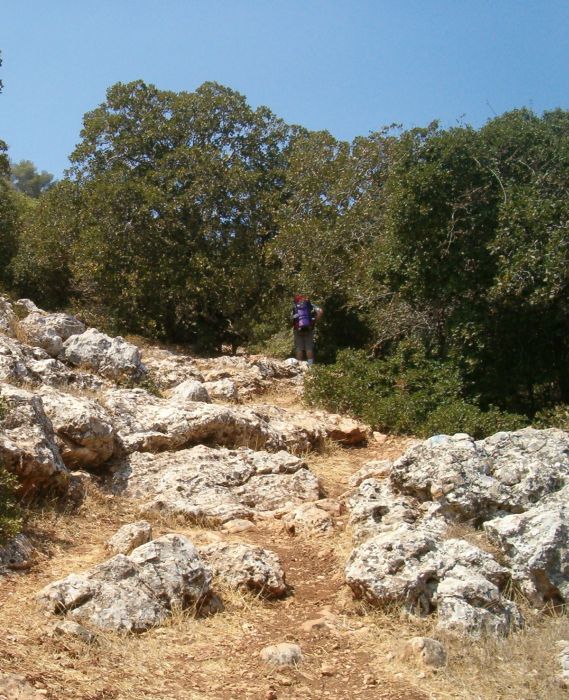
(348, 66)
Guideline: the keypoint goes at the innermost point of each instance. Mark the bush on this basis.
(406, 393)
(10, 513)
(553, 417)
(279, 345)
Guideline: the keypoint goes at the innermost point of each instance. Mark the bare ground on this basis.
(351, 652)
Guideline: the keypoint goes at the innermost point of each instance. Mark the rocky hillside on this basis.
(194, 531)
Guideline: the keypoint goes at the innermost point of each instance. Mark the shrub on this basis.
(279, 345)
(406, 393)
(553, 417)
(10, 513)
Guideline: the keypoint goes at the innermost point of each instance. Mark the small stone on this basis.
(283, 654)
(73, 629)
(237, 525)
(430, 651)
(271, 694)
(327, 670)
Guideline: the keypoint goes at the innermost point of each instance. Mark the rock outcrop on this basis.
(27, 441)
(214, 486)
(514, 484)
(136, 592)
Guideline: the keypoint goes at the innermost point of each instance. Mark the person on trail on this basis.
(304, 317)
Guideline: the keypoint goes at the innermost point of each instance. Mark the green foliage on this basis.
(194, 218)
(10, 512)
(406, 393)
(176, 200)
(41, 269)
(28, 180)
(279, 345)
(553, 417)
(8, 219)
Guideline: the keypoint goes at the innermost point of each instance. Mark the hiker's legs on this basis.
(309, 347)
(299, 345)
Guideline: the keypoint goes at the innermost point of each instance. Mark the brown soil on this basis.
(350, 653)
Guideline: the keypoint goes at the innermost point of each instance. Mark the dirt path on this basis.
(217, 657)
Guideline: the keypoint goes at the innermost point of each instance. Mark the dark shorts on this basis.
(304, 341)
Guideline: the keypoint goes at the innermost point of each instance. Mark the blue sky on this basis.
(350, 67)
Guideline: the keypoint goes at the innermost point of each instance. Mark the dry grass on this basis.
(217, 657)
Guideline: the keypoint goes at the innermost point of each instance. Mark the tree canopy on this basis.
(193, 217)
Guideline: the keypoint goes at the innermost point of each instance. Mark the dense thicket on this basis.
(439, 253)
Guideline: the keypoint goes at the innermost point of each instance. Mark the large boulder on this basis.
(129, 537)
(85, 434)
(535, 544)
(317, 425)
(423, 573)
(148, 423)
(113, 358)
(49, 331)
(169, 369)
(136, 592)
(212, 486)
(506, 473)
(190, 390)
(32, 366)
(242, 566)
(375, 508)
(27, 442)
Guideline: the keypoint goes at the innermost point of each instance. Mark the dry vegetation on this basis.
(353, 652)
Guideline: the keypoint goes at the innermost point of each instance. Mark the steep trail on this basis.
(217, 657)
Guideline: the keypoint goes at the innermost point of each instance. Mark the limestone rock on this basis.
(505, 473)
(223, 390)
(18, 553)
(129, 537)
(375, 507)
(136, 592)
(536, 546)
(564, 661)
(68, 628)
(237, 525)
(190, 390)
(24, 307)
(243, 566)
(49, 331)
(85, 434)
(308, 518)
(170, 369)
(375, 469)
(27, 442)
(429, 651)
(209, 485)
(252, 375)
(111, 357)
(8, 318)
(317, 425)
(282, 654)
(423, 573)
(151, 424)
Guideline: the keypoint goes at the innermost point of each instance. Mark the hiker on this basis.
(304, 317)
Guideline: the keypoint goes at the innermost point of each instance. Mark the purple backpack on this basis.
(303, 313)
